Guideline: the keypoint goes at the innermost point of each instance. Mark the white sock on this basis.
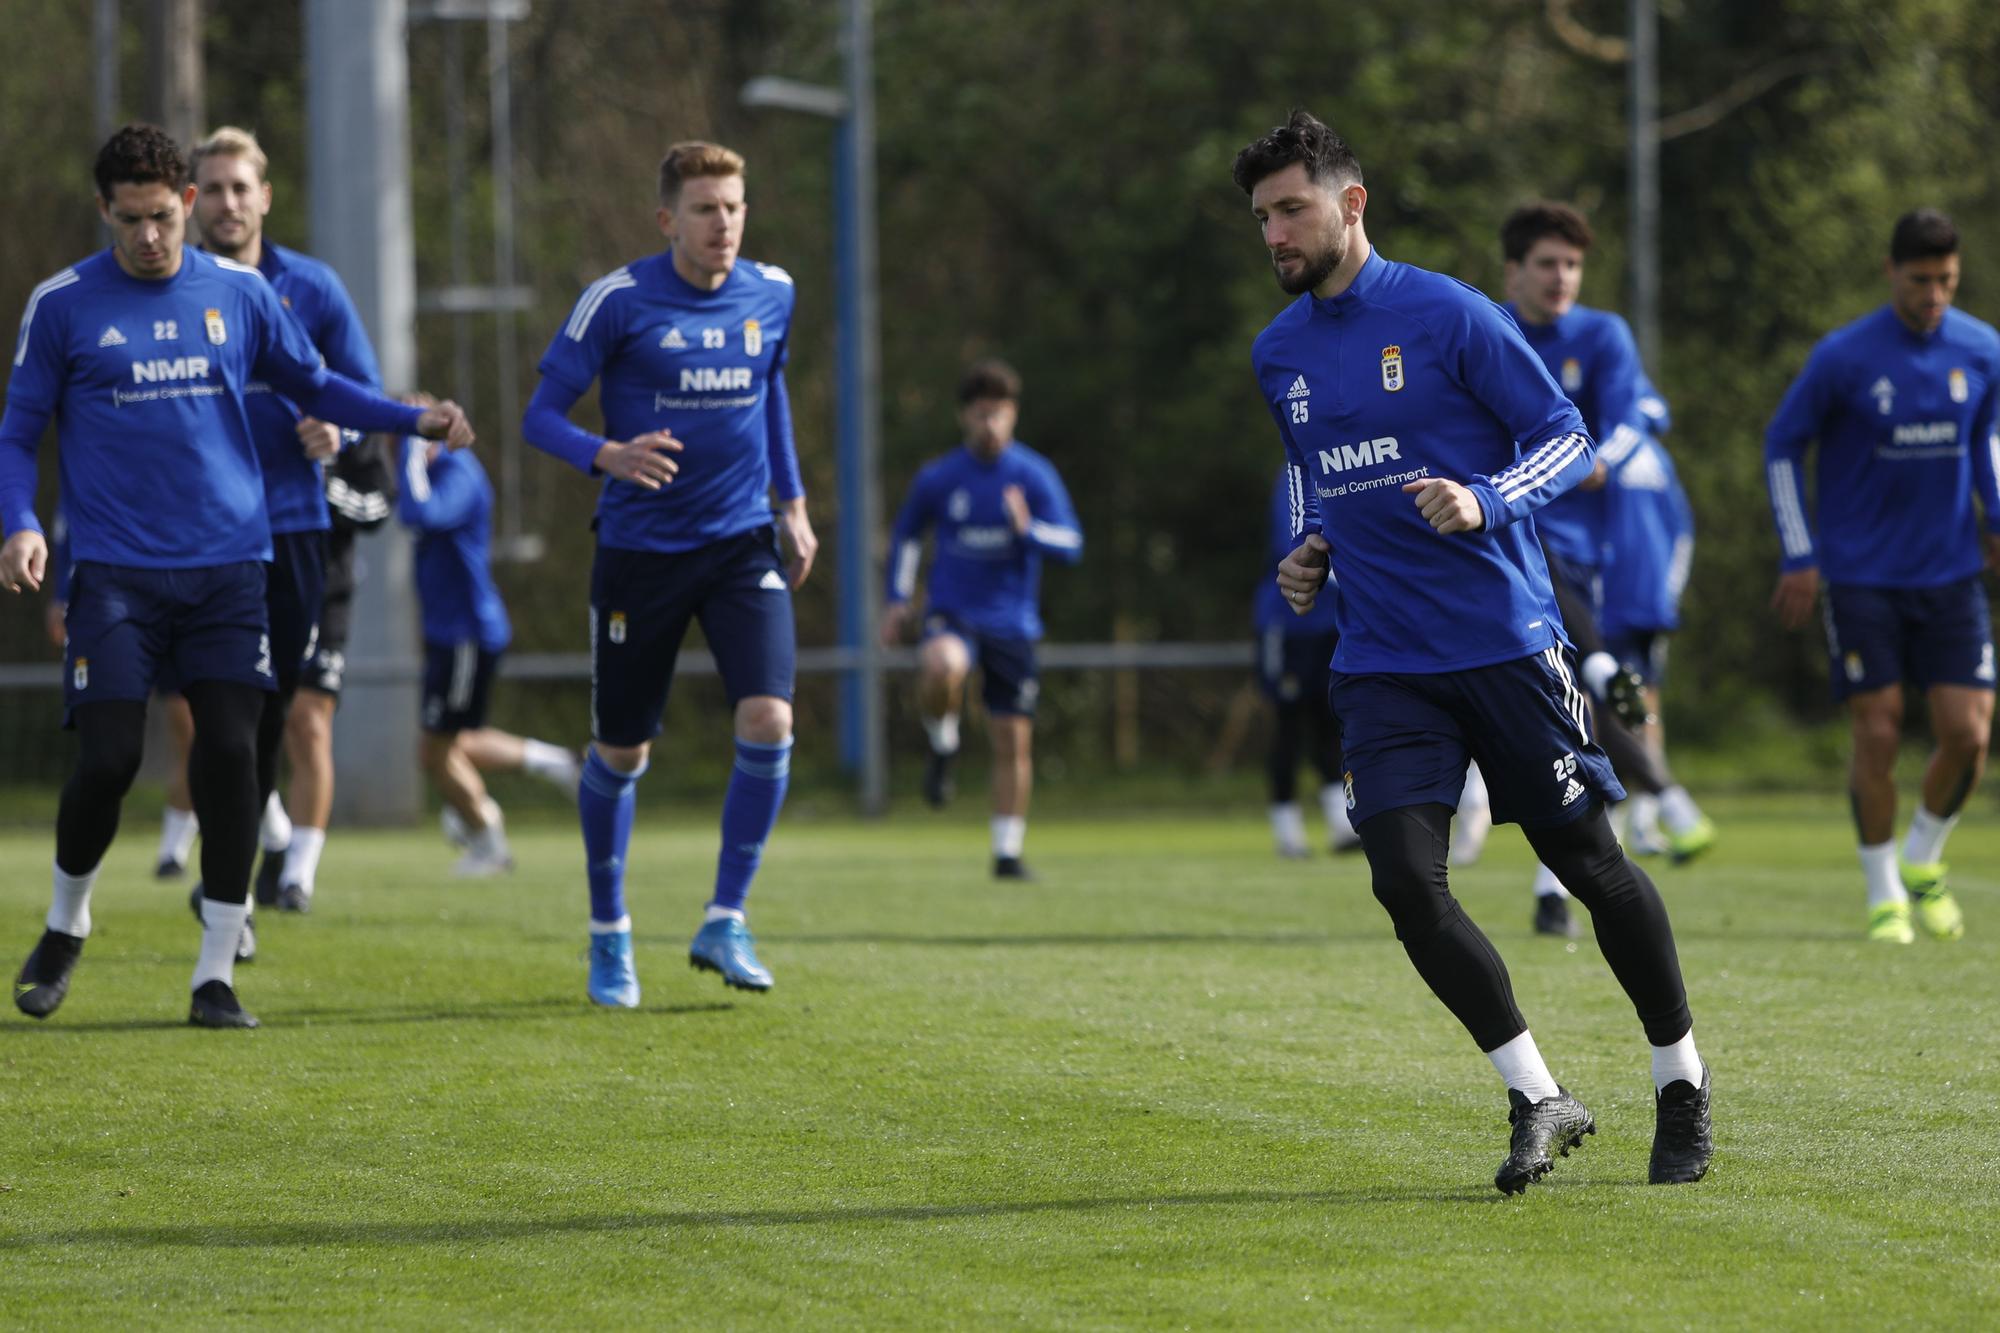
(1678, 810)
(1597, 671)
(276, 831)
(1520, 1063)
(943, 732)
(550, 762)
(177, 830)
(1474, 795)
(623, 923)
(221, 927)
(1676, 1062)
(302, 860)
(1547, 885)
(69, 905)
(715, 913)
(1878, 868)
(1010, 833)
(490, 843)
(1288, 827)
(1927, 834)
(1645, 814)
(1333, 805)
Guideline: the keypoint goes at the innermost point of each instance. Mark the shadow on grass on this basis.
(279, 1235)
(497, 1011)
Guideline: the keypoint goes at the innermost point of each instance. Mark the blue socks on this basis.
(604, 803)
(749, 811)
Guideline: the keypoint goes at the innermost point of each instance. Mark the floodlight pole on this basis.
(1645, 173)
(863, 743)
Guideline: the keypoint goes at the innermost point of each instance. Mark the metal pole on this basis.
(104, 48)
(507, 428)
(173, 47)
(1645, 230)
(358, 165)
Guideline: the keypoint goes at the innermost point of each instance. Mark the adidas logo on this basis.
(1571, 792)
(111, 337)
(673, 341)
(773, 580)
(1298, 389)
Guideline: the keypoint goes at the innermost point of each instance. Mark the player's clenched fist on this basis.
(23, 560)
(1304, 572)
(1446, 505)
(641, 460)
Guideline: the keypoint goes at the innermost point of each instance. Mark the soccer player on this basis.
(1422, 429)
(688, 348)
(1594, 358)
(143, 354)
(1293, 653)
(447, 501)
(231, 202)
(999, 509)
(1902, 404)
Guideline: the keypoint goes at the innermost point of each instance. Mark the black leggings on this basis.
(1301, 722)
(1406, 857)
(222, 778)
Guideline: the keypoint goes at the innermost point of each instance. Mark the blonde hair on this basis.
(228, 141)
(691, 159)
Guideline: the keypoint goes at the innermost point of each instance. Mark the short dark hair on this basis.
(1531, 222)
(1922, 233)
(139, 155)
(991, 378)
(1305, 139)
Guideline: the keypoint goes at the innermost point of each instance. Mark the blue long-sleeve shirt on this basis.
(1905, 426)
(985, 574)
(1650, 547)
(1409, 375)
(706, 365)
(448, 502)
(146, 381)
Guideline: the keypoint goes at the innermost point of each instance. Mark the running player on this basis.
(688, 349)
(999, 508)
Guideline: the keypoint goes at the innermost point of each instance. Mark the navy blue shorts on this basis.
(293, 593)
(640, 605)
(458, 686)
(1927, 636)
(1009, 679)
(327, 670)
(1406, 738)
(1642, 650)
(1295, 667)
(130, 628)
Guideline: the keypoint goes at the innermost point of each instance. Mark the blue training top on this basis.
(1404, 376)
(1651, 544)
(1269, 606)
(146, 379)
(1905, 424)
(294, 485)
(448, 502)
(706, 365)
(986, 574)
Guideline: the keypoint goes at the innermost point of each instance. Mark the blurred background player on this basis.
(688, 349)
(447, 501)
(999, 508)
(1902, 405)
(1593, 358)
(1293, 654)
(143, 355)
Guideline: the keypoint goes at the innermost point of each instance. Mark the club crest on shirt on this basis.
(1392, 368)
(1572, 374)
(1884, 394)
(959, 506)
(753, 337)
(217, 332)
(1960, 391)
(617, 631)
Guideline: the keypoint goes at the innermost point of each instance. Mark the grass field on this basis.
(1175, 1084)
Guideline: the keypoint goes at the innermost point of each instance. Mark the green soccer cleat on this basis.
(1686, 845)
(1936, 910)
(1890, 924)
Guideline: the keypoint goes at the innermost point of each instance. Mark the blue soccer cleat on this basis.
(724, 945)
(613, 983)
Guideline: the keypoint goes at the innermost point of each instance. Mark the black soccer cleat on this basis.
(1683, 1138)
(269, 871)
(214, 1005)
(44, 978)
(1552, 916)
(294, 898)
(168, 868)
(1626, 693)
(938, 786)
(1552, 1125)
(1012, 867)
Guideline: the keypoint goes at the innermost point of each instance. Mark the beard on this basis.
(1316, 268)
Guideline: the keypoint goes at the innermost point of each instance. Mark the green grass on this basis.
(1175, 1084)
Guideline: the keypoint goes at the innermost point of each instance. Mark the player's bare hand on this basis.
(1446, 505)
(23, 561)
(1016, 501)
(1304, 572)
(1600, 473)
(641, 460)
(894, 616)
(319, 439)
(1794, 596)
(55, 622)
(797, 532)
(446, 421)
